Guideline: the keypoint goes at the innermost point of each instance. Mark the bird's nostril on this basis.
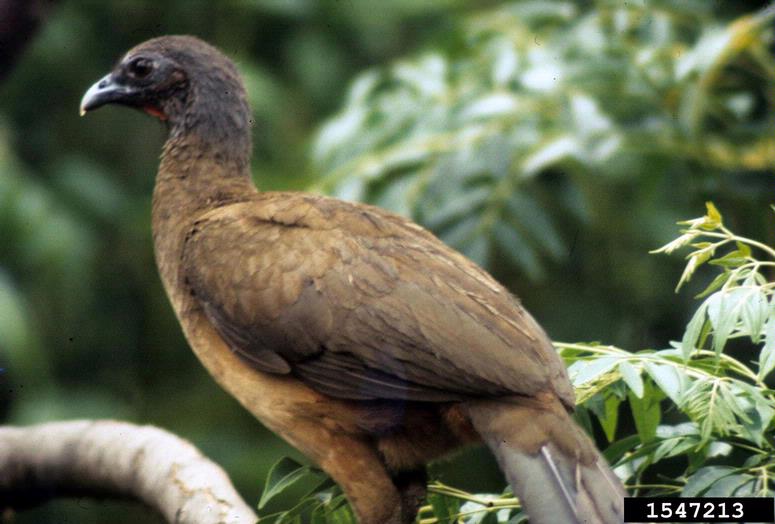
(103, 84)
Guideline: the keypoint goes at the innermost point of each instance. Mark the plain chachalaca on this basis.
(353, 333)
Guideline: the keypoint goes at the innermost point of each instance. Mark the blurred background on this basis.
(554, 142)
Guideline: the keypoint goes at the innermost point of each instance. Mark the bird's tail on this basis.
(552, 466)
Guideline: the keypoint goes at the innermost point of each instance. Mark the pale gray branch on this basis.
(115, 459)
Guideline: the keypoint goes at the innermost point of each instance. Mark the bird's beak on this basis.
(105, 91)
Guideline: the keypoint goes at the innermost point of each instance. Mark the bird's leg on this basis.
(357, 468)
(412, 488)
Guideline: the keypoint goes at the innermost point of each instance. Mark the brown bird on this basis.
(353, 333)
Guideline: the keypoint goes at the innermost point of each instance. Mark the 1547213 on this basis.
(715, 509)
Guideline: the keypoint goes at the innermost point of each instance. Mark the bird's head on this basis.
(183, 81)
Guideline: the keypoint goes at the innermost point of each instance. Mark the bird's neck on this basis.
(194, 177)
(197, 173)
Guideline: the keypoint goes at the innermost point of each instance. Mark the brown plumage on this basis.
(353, 333)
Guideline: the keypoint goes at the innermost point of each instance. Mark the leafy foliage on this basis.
(460, 139)
(325, 504)
(725, 428)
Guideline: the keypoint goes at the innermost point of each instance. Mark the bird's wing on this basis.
(362, 304)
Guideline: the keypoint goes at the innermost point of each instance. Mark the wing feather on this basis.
(362, 304)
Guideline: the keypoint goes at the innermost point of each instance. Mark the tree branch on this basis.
(116, 459)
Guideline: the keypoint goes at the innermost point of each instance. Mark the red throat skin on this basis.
(155, 111)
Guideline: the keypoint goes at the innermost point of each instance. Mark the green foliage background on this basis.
(555, 143)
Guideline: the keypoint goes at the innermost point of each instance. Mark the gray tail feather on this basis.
(554, 486)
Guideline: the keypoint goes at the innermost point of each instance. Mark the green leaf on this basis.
(461, 232)
(518, 518)
(704, 478)
(646, 413)
(514, 245)
(532, 217)
(342, 515)
(724, 311)
(453, 209)
(550, 152)
(294, 515)
(731, 260)
(607, 412)
(693, 330)
(719, 449)
(284, 473)
(717, 282)
(714, 217)
(477, 249)
(332, 509)
(744, 249)
(663, 448)
(696, 259)
(758, 413)
(325, 483)
(583, 418)
(631, 377)
(617, 449)
(670, 379)
(754, 460)
(728, 486)
(754, 313)
(445, 508)
(491, 105)
(590, 370)
(767, 355)
(749, 487)
(675, 446)
(319, 514)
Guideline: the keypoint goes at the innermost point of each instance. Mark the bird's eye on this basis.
(140, 67)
